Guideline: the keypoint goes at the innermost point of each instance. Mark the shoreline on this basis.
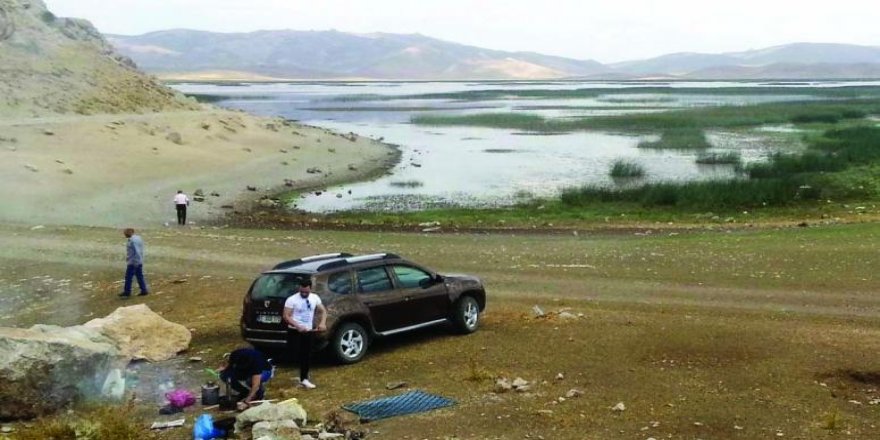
(123, 169)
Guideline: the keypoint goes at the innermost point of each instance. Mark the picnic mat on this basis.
(410, 402)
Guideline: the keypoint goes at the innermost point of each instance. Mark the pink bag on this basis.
(180, 398)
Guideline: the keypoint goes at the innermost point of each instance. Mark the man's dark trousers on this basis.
(132, 271)
(301, 342)
(181, 214)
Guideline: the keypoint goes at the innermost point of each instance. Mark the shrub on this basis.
(622, 168)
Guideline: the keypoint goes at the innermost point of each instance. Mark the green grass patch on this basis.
(624, 168)
(714, 194)
(679, 139)
(783, 180)
(691, 118)
(519, 121)
(723, 158)
(620, 94)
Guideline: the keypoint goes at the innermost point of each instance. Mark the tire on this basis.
(349, 343)
(466, 315)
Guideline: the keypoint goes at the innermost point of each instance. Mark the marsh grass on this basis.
(729, 116)
(723, 158)
(679, 139)
(783, 180)
(626, 169)
(620, 94)
(520, 121)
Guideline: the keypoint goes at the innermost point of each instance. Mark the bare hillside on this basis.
(52, 65)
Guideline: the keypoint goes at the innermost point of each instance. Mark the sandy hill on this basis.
(51, 65)
(85, 138)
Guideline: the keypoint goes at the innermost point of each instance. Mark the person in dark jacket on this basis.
(246, 371)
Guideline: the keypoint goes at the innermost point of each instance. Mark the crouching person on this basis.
(246, 371)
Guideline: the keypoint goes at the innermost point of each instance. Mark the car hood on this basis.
(462, 280)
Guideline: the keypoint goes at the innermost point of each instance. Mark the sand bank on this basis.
(117, 170)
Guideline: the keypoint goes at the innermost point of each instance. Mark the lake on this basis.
(476, 166)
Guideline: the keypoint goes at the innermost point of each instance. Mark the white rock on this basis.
(620, 407)
(329, 435)
(46, 368)
(520, 382)
(269, 412)
(560, 376)
(141, 333)
(572, 393)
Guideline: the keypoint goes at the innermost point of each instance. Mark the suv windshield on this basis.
(277, 285)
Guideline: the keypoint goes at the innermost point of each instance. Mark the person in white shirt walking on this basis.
(181, 201)
(300, 311)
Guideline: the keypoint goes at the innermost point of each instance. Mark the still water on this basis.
(473, 166)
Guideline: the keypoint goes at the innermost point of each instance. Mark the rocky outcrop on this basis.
(141, 333)
(64, 65)
(44, 368)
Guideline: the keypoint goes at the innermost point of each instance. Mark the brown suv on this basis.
(366, 296)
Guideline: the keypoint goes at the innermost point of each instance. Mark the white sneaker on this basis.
(307, 385)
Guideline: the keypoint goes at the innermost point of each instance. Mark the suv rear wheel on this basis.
(466, 315)
(349, 343)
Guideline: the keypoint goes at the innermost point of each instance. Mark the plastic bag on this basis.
(204, 428)
(180, 398)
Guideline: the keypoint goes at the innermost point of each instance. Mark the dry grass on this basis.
(701, 335)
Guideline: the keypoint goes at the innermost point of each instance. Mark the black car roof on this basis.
(318, 263)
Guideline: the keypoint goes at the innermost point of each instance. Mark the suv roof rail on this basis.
(351, 259)
(297, 262)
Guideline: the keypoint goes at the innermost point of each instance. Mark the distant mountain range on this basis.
(188, 54)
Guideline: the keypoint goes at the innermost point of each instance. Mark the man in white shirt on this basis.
(299, 314)
(181, 201)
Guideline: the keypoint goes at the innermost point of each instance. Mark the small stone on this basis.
(698, 424)
(195, 359)
(520, 382)
(620, 407)
(7, 429)
(503, 385)
(574, 392)
(48, 132)
(395, 385)
(560, 376)
(538, 311)
(31, 168)
(174, 137)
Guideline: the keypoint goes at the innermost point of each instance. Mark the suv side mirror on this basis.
(437, 278)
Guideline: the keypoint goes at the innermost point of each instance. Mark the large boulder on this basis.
(141, 333)
(44, 368)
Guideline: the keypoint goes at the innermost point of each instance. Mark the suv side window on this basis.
(410, 277)
(340, 282)
(373, 279)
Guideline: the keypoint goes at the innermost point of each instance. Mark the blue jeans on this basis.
(134, 271)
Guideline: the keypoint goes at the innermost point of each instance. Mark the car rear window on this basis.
(374, 279)
(277, 285)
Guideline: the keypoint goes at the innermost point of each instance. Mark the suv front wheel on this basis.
(466, 315)
(349, 343)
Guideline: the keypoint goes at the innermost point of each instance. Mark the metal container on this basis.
(210, 394)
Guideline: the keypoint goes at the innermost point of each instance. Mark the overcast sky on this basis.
(605, 30)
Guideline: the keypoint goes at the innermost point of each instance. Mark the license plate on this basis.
(269, 319)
